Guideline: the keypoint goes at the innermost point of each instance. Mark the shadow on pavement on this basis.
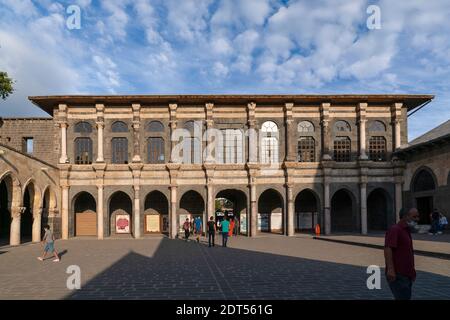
(189, 270)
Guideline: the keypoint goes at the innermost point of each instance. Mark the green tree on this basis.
(6, 85)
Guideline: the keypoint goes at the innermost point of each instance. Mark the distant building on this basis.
(106, 165)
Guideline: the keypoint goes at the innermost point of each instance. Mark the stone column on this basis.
(397, 124)
(290, 211)
(211, 202)
(173, 212)
(363, 192)
(326, 136)
(136, 135)
(290, 133)
(14, 238)
(64, 158)
(137, 213)
(396, 114)
(36, 231)
(326, 207)
(100, 126)
(173, 127)
(100, 232)
(253, 211)
(253, 139)
(362, 130)
(65, 212)
(398, 200)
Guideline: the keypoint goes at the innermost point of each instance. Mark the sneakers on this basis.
(56, 260)
(439, 232)
(40, 259)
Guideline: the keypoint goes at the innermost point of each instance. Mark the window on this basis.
(155, 150)
(119, 126)
(155, 126)
(83, 151)
(192, 150)
(119, 150)
(27, 145)
(305, 126)
(306, 149)
(377, 126)
(377, 149)
(83, 127)
(342, 149)
(269, 143)
(342, 126)
(232, 150)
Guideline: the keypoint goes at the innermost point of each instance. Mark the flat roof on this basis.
(48, 103)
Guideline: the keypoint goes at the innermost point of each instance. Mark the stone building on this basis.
(137, 165)
(427, 173)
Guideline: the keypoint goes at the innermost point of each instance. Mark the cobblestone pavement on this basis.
(267, 267)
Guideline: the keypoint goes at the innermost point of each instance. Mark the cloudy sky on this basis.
(227, 46)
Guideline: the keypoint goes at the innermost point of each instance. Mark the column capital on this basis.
(100, 107)
(63, 124)
(100, 124)
(173, 124)
(209, 106)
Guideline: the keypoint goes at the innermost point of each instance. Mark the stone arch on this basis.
(423, 179)
(271, 212)
(6, 196)
(49, 206)
(379, 209)
(30, 219)
(120, 209)
(85, 214)
(343, 211)
(423, 186)
(233, 203)
(192, 205)
(307, 210)
(156, 212)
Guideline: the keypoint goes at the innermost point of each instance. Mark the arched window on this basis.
(423, 181)
(306, 149)
(155, 150)
(155, 126)
(305, 126)
(119, 148)
(377, 149)
(342, 149)
(83, 151)
(83, 127)
(119, 126)
(269, 147)
(377, 126)
(342, 126)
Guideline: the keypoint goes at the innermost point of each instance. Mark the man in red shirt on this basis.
(399, 254)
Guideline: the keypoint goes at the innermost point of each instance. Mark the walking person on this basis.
(225, 230)
(49, 241)
(186, 228)
(230, 233)
(198, 228)
(211, 231)
(443, 222)
(399, 255)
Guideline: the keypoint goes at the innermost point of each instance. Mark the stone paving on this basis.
(266, 267)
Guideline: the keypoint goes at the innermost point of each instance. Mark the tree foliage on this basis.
(6, 85)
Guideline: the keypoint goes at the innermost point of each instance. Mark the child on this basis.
(49, 240)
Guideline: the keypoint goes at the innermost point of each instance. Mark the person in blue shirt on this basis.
(198, 228)
(225, 230)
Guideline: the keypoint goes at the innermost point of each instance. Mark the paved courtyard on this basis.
(267, 267)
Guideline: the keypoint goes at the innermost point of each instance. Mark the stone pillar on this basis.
(36, 231)
(396, 114)
(100, 126)
(210, 205)
(253, 139)
(290, 211)
(65, 212)
(362, 130)
(136, 135)
(253, 211)
(14, 238)
(363, 192)
(326, 207)
(137, 213)
(173, 127)
(326, 135)
(100, 232)
(398, 200)
(173, 212)
(290, 133)
(64, 157)
(397, 124)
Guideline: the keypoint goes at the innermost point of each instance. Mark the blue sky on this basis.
(227, 46)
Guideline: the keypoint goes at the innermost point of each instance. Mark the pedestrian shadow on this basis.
(180, 270)
(1, 252)
(62, 253)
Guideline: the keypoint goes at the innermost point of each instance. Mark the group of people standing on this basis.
(195, 226)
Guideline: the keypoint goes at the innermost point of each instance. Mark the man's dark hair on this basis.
(403, 212)
(46, 226)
